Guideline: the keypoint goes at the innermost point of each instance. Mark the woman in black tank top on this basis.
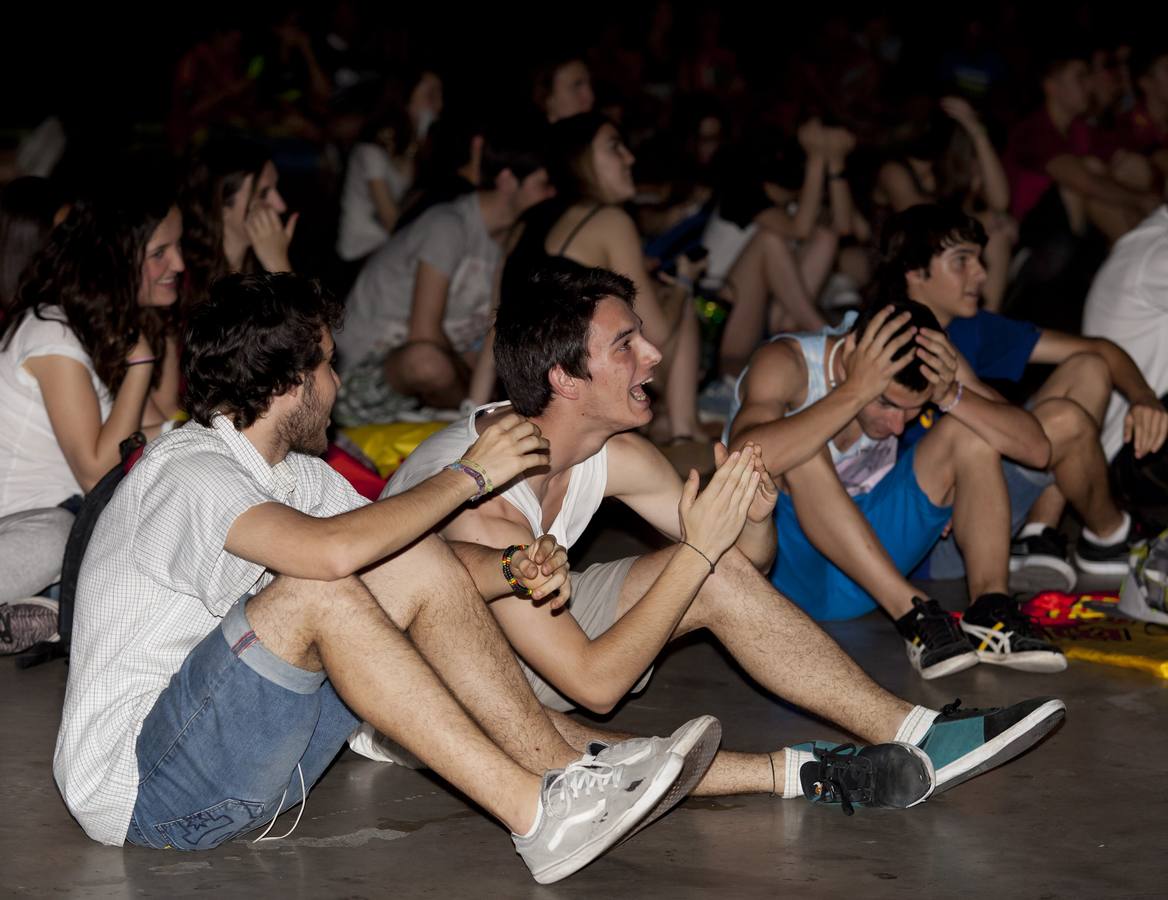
(592, 171)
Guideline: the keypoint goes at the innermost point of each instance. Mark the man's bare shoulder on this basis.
(779, 362)
(635, 465)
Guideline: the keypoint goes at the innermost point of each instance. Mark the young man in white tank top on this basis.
(854, 520)
(571, 354)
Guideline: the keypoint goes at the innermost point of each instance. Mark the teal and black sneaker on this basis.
(888, 776)
(963, 743)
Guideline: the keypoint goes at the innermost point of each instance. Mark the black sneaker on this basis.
(963, 743)
(888, 776)
(934, 641)
(1039, 563)
(1101, 559)
(1002, 635)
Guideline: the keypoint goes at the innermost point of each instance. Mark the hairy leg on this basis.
(457, 635)
(777, 644)
(1084, 380)
(956, 467)
(836, 527)
(340, 628)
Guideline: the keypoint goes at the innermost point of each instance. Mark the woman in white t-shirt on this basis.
(86, 359)
(380, 172)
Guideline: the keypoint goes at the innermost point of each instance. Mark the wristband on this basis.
(699, 553)
(520, 590)
(476, 472)
(957, 399)
(141, 361)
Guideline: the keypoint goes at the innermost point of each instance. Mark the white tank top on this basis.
(586, 482)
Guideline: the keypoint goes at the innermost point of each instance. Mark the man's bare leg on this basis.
(954, 467)
(427, 593)
(778, 645)
(340, 628)
(1085, 381)
(831, 519)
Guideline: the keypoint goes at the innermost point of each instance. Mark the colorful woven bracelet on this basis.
(473, 473)
(521, 589)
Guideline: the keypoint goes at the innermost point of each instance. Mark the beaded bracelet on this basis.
(520, 589)
(957, 399)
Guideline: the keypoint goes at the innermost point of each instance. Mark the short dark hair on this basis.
(256, 337)
(515, 143)
(910, 239)
(921, 316)
(543, 321)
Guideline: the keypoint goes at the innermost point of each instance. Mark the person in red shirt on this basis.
(1051, 162)
(1147, 123)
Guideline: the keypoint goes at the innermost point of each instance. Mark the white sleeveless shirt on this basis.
(586, 481)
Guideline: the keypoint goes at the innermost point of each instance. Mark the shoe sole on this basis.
(1027, 661)
(697, 747)
(1016, 739)
(1115, 569)
(665, 778)
(950, 666)
(1039, 573)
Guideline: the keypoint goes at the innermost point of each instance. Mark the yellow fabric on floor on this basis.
(387, 444)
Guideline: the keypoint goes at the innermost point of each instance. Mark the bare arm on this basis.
(1009, 429)
(621, 247)
(89, 445)
(290, 542)
(898, 186)
(429, 305)
(1071, 172)
(995, 185)
(598, 672)
(383, 202)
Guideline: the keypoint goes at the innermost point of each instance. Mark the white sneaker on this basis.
(589, 807)
(372, 744)
(696, 742)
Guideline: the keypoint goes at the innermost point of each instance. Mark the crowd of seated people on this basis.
(789, 318)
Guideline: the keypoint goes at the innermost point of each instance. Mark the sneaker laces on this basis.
(955, 710)
(833, 765)
(580, 778)
(935, 626)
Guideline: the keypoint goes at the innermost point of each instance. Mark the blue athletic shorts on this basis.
(907, 522)
(218, 753)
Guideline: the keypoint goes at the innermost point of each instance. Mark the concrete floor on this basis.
(1082, 815)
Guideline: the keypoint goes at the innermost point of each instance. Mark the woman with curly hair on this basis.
(232, 208)
(85, 361)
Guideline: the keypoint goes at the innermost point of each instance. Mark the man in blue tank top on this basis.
(933, 254)
(852, 520)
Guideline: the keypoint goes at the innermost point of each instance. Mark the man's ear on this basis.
(506, 182)
(563, 384)
(915, 278)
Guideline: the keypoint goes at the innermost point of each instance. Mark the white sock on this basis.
(1032, 529)
(915, 725)
(795, 760)
(1115, 537)
(538, 816)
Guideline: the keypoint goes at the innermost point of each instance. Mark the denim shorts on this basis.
(901, 514)
(219, 753)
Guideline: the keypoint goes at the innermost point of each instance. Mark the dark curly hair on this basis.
(544, 322)
(254, 338)
(91, 267)
(214, 175)
(920, 316)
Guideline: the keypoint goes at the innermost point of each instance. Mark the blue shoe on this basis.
(887, 776)
(963, 743)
